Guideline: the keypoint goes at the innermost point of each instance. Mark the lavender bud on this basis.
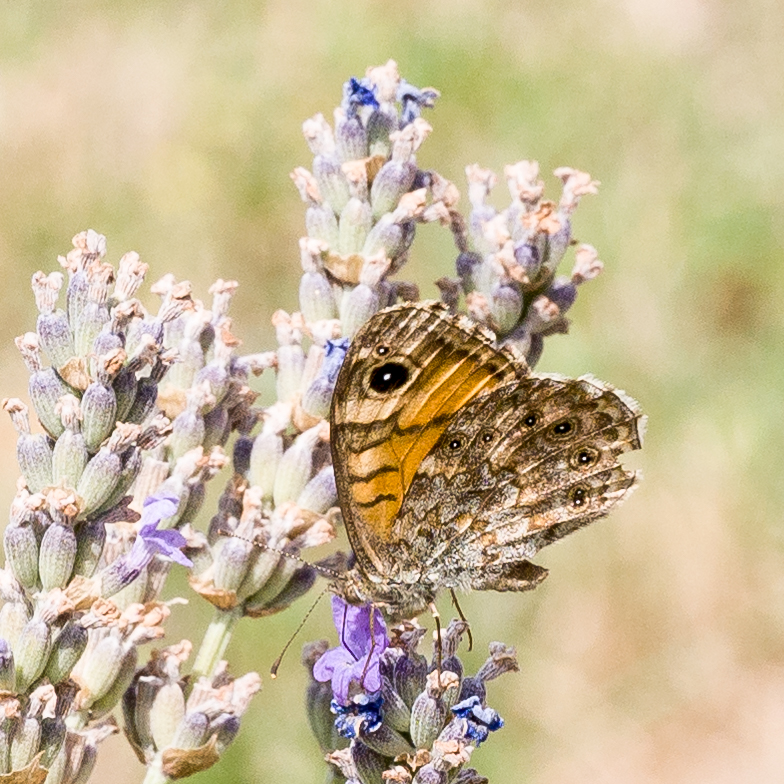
(31, 652)
(52, 325)
(429, 774)
(6, 733)
(217, 427)
(393, 180)
(380, 125)
(132, 462)
(14, 616)
(7, 668)
(318, 698)
(53, 732)
(232, 559)
(110, 698)
(320, 493)
(410, 677)
(192, 731)
(89, 547)
(350, 139)
(67, 648)
(33, 452)
(271, 588)
(557, 245)
(261, 569)
(562, 292)
(168, 710)
(99, 411)
(331, 181)
(529, 259)
(294, 470)
(359, 304)
(298, 585)
(506, 307)
(226, 727)
(387, 741)
(265, 458)
(315, 297)
(101, 665)
(396, 712)
(369, 764)
(355, 221)
(69, 456)
(57, 555)
(428, 716)
(144, 402)
(321, 223)
(21, 550)
(25, 742)
(387, 236)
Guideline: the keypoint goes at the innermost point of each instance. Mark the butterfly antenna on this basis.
(323, 570)
(463, 618)
(276, 663)
(437, 618)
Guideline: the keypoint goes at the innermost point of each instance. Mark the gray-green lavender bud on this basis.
(56, 556)
(14, 616)
(101, 475)
(33, 452)
(368, 763)
(31, 652)
(53, 733)
(25, 742)
(393, 180)
(387, 741)
(266, 455)
(166, 714)
(21, 550)
(7, 667)
(69, 456)
(90, 543)
(350, 139)
(355, 221)
(99, 411)
(67, 648)
(296, 465)
(331, 181)
(320, 493)
(52, 326)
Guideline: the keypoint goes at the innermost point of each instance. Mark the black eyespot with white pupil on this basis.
(454, 444)
(579, 496)
(382, 351)
(486, 437)
(585, 457)
(530, 420)
(562, 428)
(388, 377)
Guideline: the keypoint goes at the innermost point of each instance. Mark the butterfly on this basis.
(454, 464)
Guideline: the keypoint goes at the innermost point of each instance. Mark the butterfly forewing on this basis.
(407, 373)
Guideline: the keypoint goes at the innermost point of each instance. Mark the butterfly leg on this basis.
(462, 618)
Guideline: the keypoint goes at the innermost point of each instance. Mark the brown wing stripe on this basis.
(386, 469)
(377, 500)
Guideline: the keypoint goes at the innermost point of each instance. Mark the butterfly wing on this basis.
(514, 470)
(408, 371)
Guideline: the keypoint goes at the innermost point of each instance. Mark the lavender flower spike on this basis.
(356, 659)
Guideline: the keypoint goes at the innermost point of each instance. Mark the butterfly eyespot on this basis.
(530, 420)
(562, 428)
(382, 351)
(454, 444)
(388, 377)
(486, 437)
(585, 457)
(579, 496)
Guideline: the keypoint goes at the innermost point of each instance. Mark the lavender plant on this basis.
(136, 411)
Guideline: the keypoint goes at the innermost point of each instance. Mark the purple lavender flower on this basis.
(333, 358)
(481, 721)
(413, 100)
(363, 637)
(149, 542)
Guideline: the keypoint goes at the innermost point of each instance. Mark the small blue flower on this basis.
(363, 636)
(362, 715)
(333, 358)
(356, 94)
(480, 721)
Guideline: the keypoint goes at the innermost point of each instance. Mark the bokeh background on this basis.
(655, 650)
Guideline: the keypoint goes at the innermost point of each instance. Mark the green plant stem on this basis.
(213, 646)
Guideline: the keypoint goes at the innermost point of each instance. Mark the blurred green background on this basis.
(655, 650)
